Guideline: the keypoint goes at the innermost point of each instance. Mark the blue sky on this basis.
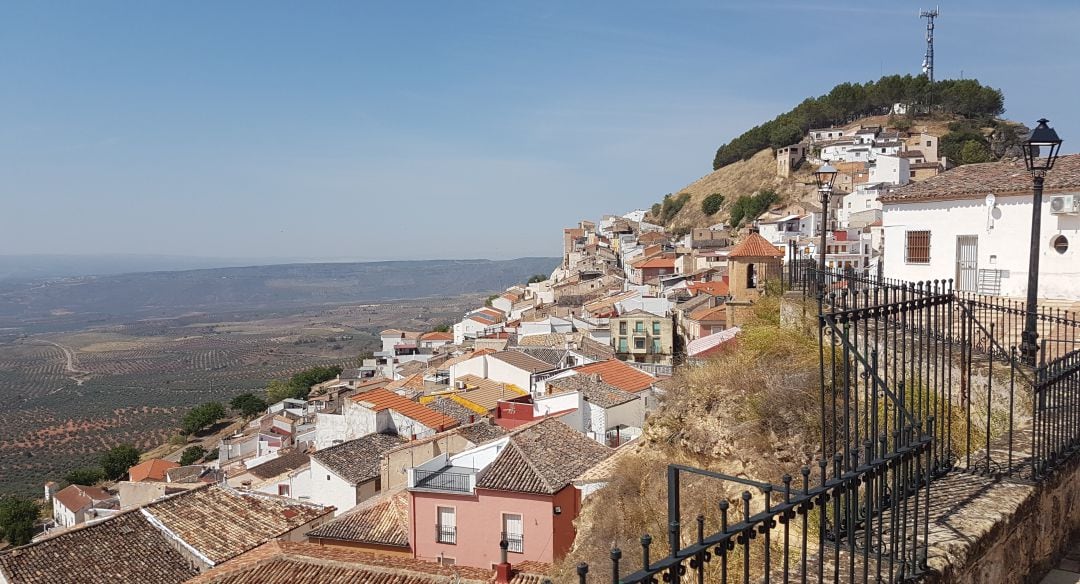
(407, 130)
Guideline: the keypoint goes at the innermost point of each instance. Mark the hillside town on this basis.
(469, 452)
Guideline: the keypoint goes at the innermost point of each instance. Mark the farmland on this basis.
(70, 394)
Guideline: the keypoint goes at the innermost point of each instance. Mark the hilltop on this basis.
(964, 115)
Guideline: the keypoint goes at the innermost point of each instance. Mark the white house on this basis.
(379, 411)
(348, 473)
(605, 413)
(76, 504)
(894, 170)
(949, 226)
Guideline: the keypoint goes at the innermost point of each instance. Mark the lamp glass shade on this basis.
(1041, 148)
(825, 176)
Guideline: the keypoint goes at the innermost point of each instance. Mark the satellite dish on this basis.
(990, 200)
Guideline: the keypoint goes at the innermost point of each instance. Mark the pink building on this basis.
(517, 487)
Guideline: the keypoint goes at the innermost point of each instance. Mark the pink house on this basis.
(517, 487)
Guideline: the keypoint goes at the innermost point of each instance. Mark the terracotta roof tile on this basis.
(593, 390)
(153, 470)
(381, 399)
(711, 288)
(284, 463)
(437, 336)
(655, 263)
(523, 361)
(755, 246)
(717, 313)
(383, 521)
(619, 374)
(76, 497)
(282, 562)
(542, 458)
(358, 460)
(222, 523)
(124, 548)
(975, 181)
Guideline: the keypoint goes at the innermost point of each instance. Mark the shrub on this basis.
(536, 279)
(89, 476)
(17, 518)
(202, 416)
(117, 460)
(192, 454)
(712, 204)
(746, 209)
(248, 404)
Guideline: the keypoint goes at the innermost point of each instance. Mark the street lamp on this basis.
(1040, 152)
(824, 178)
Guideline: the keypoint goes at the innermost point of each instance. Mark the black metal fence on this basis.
(917, 380)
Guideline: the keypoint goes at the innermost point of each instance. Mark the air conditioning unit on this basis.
(1064, 205)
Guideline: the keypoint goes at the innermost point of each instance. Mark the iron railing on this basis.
(446, 534)
(917, 380)
(515, 542)
(442, 481)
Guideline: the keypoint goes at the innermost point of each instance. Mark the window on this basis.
(446, 561)
(656, 327)
(913, 174)
(283, 490)
(639, 326)
(1060, 244)
(514, 532)
(622, 345)
(928, 143)
(751, 276)
(622, 327)
(918, 247)
(656, 346)
(639, 344)
(446, 529)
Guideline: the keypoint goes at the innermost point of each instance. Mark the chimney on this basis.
(503, 571)
(472, 418)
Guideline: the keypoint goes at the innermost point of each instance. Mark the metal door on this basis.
(967, 263)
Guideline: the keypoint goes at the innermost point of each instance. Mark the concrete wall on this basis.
(328, 488)
(1003, 236)
(503, 372)
(395, 463)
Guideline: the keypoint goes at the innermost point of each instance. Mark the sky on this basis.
(415, 130)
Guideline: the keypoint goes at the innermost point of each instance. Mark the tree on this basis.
(90, 475)
(202, 416)
(974, 151)
(192, 454)
(445, 327)
(17, 518)
(299, 385)
(537, 278)
(248, 404)
(117, 460)
(712, 204)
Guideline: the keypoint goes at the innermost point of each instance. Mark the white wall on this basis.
(328, 429)
(330, 491)
(503, 372)
(890, 169)
(1002, 244)
(476, 366)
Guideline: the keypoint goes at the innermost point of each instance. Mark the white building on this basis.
(348, 473)
(948, 226)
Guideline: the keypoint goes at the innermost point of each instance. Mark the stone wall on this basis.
(1019, 534)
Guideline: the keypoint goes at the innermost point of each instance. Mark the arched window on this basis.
(751, 276)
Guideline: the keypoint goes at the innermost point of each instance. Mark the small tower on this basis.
(750, 264)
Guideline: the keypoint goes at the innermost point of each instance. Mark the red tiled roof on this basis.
(718, 313)
(382, 521)
(542, 458)
(437, 336)
(710, 288)
(656, 263)
(76, 497)
(153, 470)
(382, 399)
(619, 374)
(755, 246)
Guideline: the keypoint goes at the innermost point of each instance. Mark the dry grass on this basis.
(751, 412)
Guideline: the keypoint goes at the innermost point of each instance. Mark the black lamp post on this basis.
(824, 178)
(1040, 153)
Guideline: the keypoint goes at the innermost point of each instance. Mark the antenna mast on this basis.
(928, 60)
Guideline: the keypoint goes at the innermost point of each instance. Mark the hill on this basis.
(73, 302)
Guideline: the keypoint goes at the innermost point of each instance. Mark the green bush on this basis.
(17, 518)
(192, 454)
(202, 416)
(117, 460)
(89, 476)
(298, 386)
(746, 209)
(712, 204)
(536, 279)
(248, 404)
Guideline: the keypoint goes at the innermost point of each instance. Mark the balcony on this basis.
(515, 542)
(446, 534)
(450, 479)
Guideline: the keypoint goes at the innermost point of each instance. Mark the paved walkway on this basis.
(1068, 571)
